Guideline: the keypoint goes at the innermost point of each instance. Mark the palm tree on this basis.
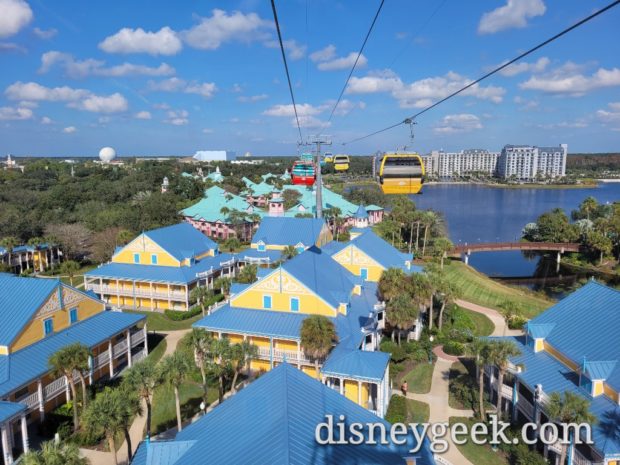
(391, 283)
(9, 243)
(129, 408)
(36, 242)
(588, 206)
(220, 366)
(449, 293)
(401, 313)
(201, 294)
(318, 334)
(52, 243)
(200, 342)
(420, 288)
(429, 220)
(174, 369)
(55, 453)
(569, 408)
(241, 354)
(289, 251)
(143, 377)
(224, 285)
(66, 361)
(104, 415)
(441, 247)
(481, 349)
(247, 274)
(69, 268)
(500, 354)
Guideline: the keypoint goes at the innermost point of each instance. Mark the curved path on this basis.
(501, 328)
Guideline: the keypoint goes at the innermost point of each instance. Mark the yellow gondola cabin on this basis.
(400, 173)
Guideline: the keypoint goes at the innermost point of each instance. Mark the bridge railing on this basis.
(494, 246)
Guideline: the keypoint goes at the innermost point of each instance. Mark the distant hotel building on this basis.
(523, 162)
(527, 162)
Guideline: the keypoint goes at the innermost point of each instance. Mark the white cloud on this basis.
(522, 67)
(207, 131)
(252, 98)
(45, 34)
(15, 113)
(143, 115)
(459, 123)
(566, 82)
(308, 113)
(512, 15)
(222, 27)
(205, 89)
(610, 118)
(345, 106)
(303, 109)
(80, 99)
(525, 103)
(90, 67)
(236, 88)
(310, 122)
(577, 124)
(324, 54)
(46, 120)
(15, 15)
(11, 47)
(163, 42)
(28, 104)
(177, 117)
(423, 92)
(294, 51)
(69, 130)
(343, 63)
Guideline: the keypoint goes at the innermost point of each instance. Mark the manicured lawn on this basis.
(159, 322)
(477, 288)
(164, 410)
(78, 278)
(484, 326)
(479, 455)
(157, 347)
(419, 378)
(417, 412)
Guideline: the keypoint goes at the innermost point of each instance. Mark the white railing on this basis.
(113, 290)
(30, 401)
(579, 459)
(506, 391)
(526, 408)
(120, 348)
(513, 368)
(279, 355)
(55, 387)
(139, 356)
(102, 359)
(136, 338)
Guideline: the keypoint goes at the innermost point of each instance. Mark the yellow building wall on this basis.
(548, 348)
(609, 392)
(145, 247)
(34, 331)
(539, 345)
(353, 259)
(281, 293)
(285, 345)
(235, 338)
(597, 388)
(310, 371)
(259, 341)
(260, 365)
(351, 390)
(4, 350)
(365, 394)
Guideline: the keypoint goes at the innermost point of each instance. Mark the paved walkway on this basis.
(136, 432)
(501, 328)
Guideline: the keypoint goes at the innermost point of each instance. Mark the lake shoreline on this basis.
(518, 186)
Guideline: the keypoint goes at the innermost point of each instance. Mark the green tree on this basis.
(290, 198)
(481, 350)
(587, 207)
(70, 268)
(223, 284)
(241, 355)
(104, 416)
(420, 288)
(401, 313)
(124, 237)
(174, 369)
(129, 407)
(37, 242)
(144, 377)
(441, 247)
(568, 408)
(201, 294)
(53, 453)
(391, 283)
(64, 362)
(289, 252)
(200, 343)
(9, 243)
(448, 293)
(500, 354)
(430, 220)
(600, 243)
(221, 365)
(318, 335)
(554, 226)
(248, 273)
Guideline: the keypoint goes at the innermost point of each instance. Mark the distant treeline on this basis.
(593, 161)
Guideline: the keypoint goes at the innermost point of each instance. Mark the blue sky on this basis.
(166, 78)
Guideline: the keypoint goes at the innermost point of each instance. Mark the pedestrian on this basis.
(404, 388)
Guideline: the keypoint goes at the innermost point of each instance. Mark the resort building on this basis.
(277, 233)
(273, 421)
(571, 347)
(159, 269)
(222, 215)
(39, 317)
(215, 155)
(527, 162)
(30, 257)
(270, 312)
(466, 162)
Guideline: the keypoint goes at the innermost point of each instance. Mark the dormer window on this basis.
(261, 246)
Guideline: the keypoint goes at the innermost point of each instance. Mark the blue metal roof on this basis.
(382, 252)
(586, 325)
(542, 368)
(539, 330)
(156, 273)
(181, 240)
(358, 364)
(361, 212)
(273, 421)
(161, 452)
(288, 231)
(9, 409)
(599, 370)
(20, 298)
(322, 275)
(29, 363)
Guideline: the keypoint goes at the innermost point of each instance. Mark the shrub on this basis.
(517, 322)
(454, 348)
(416, 351)
(397, 410)
(398, 353)
(464, 391)
(180, 315)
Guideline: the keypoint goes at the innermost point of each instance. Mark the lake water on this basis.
(475, 213)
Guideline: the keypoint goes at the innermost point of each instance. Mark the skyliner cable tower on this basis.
(318, 140)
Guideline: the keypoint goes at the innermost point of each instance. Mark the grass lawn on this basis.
(484, 326)
(419, 378)
(164, 410)
(159, 322)
(157, 347)
(417, 412)
(78, 278)
(477, 288)
(479, 455)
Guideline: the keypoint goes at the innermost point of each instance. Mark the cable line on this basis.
(288, 77)
(490, 73)
(372, 25)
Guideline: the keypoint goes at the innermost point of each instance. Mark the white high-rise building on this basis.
(466, 162)
(527, 162)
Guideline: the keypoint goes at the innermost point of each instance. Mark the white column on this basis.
(8, 452)
(298, 354)
(111, 354)
(379, 401)
(25, 443)
(341, 386)
(118, 293)
(91, 369)
(359, 393)
(169, 303)
(129, 348)
(41, 400)
(67, 389)
(146, 339)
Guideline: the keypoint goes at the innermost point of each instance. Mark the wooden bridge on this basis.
(560, 247)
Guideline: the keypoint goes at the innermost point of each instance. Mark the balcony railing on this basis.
(147, 293)
(279, 355)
